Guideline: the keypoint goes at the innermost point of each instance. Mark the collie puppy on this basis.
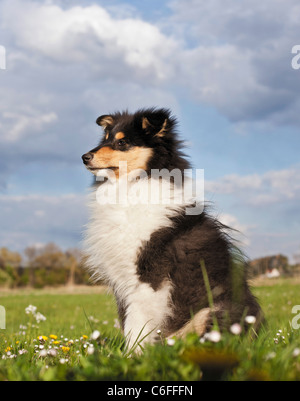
(172, 267)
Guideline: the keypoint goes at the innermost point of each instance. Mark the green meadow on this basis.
(74, 335)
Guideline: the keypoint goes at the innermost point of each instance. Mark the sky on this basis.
(223, 67)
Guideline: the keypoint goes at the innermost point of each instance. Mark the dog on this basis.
(171, 272)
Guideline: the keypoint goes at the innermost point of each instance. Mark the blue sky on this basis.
(223, 67)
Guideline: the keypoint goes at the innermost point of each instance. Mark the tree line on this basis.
(49, 265)
(41, 266)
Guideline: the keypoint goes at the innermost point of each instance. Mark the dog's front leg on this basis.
(139, 328)
(146, 312)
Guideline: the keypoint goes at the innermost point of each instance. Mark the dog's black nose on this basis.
(87, 157)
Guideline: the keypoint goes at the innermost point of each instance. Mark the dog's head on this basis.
(144, 140)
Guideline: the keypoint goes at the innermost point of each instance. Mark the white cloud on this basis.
(20, 125)
(234, 183)
(231, 221)
(234, 56)
(239, 56)
(264, 189)
(242, 232)
(65, 67)
(89, 34)
(263, 208)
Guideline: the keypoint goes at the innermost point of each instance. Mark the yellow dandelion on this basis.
(42, 338)
(7, 349)
(84, 337)
(56, 342)
(53, 336)
(65, 349)
(17, 342)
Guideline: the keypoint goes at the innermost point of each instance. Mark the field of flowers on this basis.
(57, 336)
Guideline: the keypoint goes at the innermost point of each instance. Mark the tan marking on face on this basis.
(107, 135)
(136, 158)
(120, 135)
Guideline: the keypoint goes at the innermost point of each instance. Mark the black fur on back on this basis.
(176, 253)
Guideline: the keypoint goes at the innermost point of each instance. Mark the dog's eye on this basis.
(121, 142)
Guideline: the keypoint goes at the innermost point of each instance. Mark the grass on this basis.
(87, 346)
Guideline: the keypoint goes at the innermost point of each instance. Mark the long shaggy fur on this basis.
(153, 256)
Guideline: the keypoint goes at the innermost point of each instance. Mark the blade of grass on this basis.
(137, 342)
(90, 324)
(209, 294)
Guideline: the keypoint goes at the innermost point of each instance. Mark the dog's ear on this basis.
(105, 121)
(157, 122)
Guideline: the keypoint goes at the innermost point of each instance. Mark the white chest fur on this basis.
(115, 233)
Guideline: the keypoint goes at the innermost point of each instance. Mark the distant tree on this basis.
(10, 265)
(31, 252)
(73, 259)
(48, 265)
(49, 257)
(268, 263)
(43, 265)
(7, 257)
(296, 257)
